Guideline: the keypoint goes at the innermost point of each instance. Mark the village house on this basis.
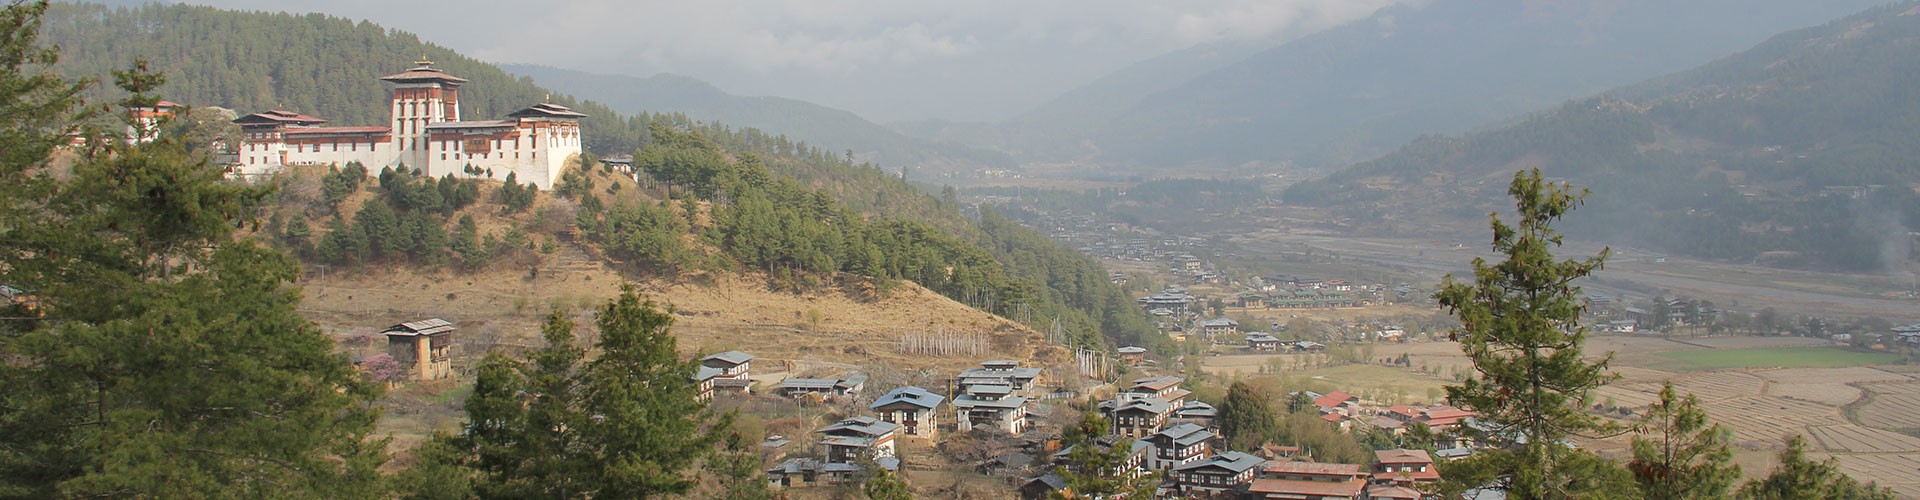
(850, 440)
(703, 378)
(1404, 467)
(1219, 326)
(1337, 402)
(825, 387)
(734, 375)
(1310, 480)
(1003, 372)
(1259, 342)
(1137, 418)
(1043, 487)
(1166, 388)
(423, 348)
(1196, 413)
(990, 406)
(914, 409)
(1132, 355)
(1252, 300)
(1309, 346)
(1134, 466)
(1180, 444)
(1393, 492)
(1216, 475)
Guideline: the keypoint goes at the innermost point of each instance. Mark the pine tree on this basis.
(1520, 327)
(1095, 466)
(737, 469)
(626, 424)
(1247, 419)
(1687, 456)
(885, 485)
(171, 361)
(1799, 477)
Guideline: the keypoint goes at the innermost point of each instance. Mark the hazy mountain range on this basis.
(1797, 152)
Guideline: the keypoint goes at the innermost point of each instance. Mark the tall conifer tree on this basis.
(1520, 327)
(166, 358)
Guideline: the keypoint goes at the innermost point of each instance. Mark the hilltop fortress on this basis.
(425, 132)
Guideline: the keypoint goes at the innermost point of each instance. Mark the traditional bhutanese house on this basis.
(1044, 486)
(1339, 420)
(1392, 426)
(990, 406)
(1392, 492)
(1262, 342)
(1309, 346)
(857, 437)
(1166, 387)
(734, 371)
(1180, 444)
(997, 372)
(1336, 401)
(732, 364)
(801, 472)
(1132, 355)
(1137, 418)
(1309, 480)
(844, 386)
(423, 347)
(1441, 417)
(1252, 300)
(1402, 466)
(914, 409)
(1196, 413)
(703, 378)
(1134, 466)
(1216, 475)
(1220, 326)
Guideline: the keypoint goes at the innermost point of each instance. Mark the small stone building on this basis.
(423, 348)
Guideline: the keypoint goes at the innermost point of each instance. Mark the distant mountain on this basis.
(1447, 66)
(1798, 152)
(1048, 131)
(828, 127)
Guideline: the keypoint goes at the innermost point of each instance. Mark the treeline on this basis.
(773, 223)
(1794, 153)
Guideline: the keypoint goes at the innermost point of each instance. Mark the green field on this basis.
(1783, 357)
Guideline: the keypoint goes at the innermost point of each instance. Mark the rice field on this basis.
(1778, 357)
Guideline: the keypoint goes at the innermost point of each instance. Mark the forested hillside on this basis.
(666, 93)
(1798, 152)
(1446, 66)
(795, 210)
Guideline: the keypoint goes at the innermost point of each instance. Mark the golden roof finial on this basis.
(424, 62)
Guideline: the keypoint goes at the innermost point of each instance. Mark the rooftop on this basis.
(730, 357)
(434, 326)
(909, 395)
(1233, 462)
(1343, 489)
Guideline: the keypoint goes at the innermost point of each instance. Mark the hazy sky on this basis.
(884, 59)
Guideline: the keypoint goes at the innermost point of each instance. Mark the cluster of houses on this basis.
(1167, 432)
(992, 396)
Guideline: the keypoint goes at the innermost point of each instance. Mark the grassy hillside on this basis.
(1798, 152)
(665, 93)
